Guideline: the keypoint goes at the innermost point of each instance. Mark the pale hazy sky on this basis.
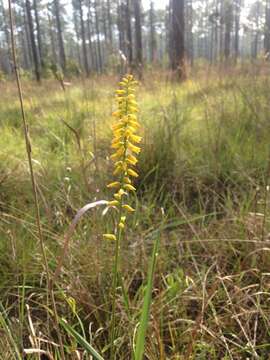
(159, 4)
(163, 3)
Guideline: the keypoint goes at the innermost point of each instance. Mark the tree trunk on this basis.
(104, 21)
(267, 30)
(77, 33)
(85, 58)
(6, 32)
(109, 22)
(92, 52)
(138, 37)
(221, 28)
(129, 34)
(60, 36)
(39, 41)
(99, 54)
(26, 59)
(32, 40)
(237, 28)
(228, 28)
(53, 46)
(256, 38)
(153, 40)
(189, 31)
(178, 39)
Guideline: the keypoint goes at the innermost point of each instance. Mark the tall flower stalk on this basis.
(125, 145)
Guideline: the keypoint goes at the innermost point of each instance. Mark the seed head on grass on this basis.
(125, 145)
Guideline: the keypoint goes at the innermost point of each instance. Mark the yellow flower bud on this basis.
(129, 187)
(114, 184)
(116, 113)
(117, 126)
(133, 173)
(128, 208)
(118, 170)
(119, 194)
(133, 109)
(134, 123)
(127, 180)
(121, 225)
(134, 148)
(109, 237)
(135, 138)
(131, 159)
(120, 92)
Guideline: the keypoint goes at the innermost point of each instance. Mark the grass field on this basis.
(203, 190)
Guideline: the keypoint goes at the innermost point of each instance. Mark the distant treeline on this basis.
(96, 36)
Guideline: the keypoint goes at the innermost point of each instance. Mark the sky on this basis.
(159, 4)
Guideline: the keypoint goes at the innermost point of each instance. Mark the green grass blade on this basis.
(140, 340)
(85, 344)
(4, 323)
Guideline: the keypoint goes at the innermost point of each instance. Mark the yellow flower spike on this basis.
(128, 208)
(125, 140)
(133, 173)
(109, 237)
(115, 184)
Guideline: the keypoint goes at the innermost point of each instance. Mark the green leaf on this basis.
(6, 326)
(141, 335)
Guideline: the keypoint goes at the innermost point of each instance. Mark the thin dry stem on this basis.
(32, 176)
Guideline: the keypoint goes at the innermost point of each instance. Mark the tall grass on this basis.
(204, 177)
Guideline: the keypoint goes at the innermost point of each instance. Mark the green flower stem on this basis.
(114, 286)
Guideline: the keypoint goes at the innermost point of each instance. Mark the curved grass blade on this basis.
(84, 343)
(69, 233)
